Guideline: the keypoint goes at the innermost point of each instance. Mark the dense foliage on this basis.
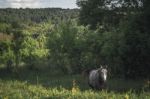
(125, 33)
(23, 35)
(71, 40)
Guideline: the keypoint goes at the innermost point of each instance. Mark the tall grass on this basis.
(44, 85)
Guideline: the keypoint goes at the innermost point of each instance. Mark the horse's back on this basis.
(93, 74)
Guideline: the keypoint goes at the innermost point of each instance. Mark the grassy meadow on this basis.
(44, 50)
(45, 84)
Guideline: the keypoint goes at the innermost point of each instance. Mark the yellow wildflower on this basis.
(75, 88)
(6, 97)
(126, 96)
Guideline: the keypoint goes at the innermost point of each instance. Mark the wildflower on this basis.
(126, 96)
(75, 88)
(147, 84)
(6, 97)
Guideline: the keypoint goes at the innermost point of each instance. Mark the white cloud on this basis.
(37, 3)
(23, 3)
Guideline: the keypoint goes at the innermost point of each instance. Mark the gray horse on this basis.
(97, 78)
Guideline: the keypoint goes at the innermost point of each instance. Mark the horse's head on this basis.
(103, 73)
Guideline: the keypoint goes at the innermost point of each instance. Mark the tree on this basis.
(92, 12)
(34, 50)
(125, 44)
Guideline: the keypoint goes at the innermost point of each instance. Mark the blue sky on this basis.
(37, 3)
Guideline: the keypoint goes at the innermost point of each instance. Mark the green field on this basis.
(46, 85)
(45, 51)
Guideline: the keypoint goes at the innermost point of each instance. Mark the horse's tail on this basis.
(86, 72)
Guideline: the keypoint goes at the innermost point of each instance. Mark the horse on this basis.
(97, 78)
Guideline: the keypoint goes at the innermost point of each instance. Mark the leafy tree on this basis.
(92, 12)
(122, 45)
(33, 44)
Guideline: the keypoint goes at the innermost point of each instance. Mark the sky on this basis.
(38, 4)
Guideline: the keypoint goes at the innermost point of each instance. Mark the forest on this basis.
(44, 51)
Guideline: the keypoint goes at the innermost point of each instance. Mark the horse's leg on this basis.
(99, 87)
(105, 85)
(91, 85)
